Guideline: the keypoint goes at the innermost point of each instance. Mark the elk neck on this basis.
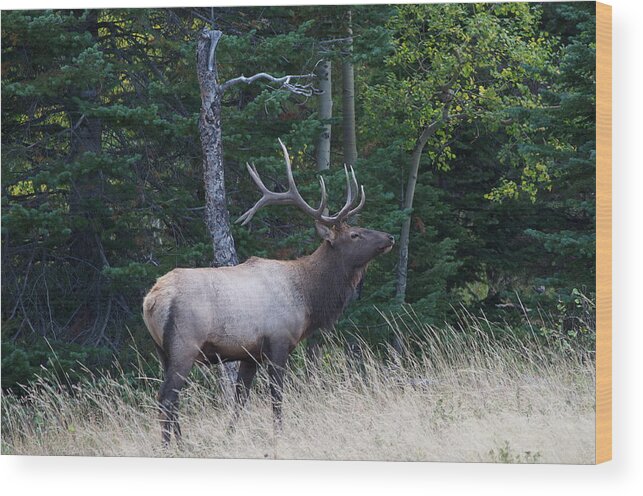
(328, 284)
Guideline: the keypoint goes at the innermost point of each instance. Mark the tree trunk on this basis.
(313, 343)
(416, 156)
(348, 100)
(325, 114)
(85, 137)
(217, 219)
(84, 247)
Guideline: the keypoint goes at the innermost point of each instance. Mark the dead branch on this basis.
(286, 82)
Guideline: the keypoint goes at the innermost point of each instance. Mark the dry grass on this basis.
(463, 397)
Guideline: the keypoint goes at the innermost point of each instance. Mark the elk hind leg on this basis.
(176, 374)
(162, 356)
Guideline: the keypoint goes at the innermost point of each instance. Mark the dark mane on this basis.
(331, 286)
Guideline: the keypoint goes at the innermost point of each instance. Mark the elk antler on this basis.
(292, 196)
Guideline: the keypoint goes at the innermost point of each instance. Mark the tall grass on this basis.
(454, 393)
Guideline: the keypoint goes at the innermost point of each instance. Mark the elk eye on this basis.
(354, 235)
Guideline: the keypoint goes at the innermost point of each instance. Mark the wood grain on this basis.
(603, 232)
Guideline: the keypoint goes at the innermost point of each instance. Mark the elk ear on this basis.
(325, 232)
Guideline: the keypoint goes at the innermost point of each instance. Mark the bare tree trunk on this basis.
(348, 100)
(416, 156)
(216, 209)
(217, 218)
(325, 114)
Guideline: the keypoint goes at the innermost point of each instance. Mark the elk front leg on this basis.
(245, 376)
(276, 369)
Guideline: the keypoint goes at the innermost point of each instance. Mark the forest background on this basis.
(102, 176)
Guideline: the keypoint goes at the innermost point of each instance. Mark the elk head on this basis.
(355, 246)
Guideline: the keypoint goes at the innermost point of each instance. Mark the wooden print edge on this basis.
(603, 232)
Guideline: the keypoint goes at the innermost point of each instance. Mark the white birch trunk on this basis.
(348, 101)
(325, 114)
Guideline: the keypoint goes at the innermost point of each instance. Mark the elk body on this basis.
(258, 311)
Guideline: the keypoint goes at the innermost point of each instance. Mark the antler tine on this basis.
(360, 205)
(252, 170)
(294, 194)
(354, 179)
(351, 184)
(291, 179)
(324, 196)
(245, 218)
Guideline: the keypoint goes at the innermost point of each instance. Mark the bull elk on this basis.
(258, 311)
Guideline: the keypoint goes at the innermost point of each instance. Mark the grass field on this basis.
(448, 396)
